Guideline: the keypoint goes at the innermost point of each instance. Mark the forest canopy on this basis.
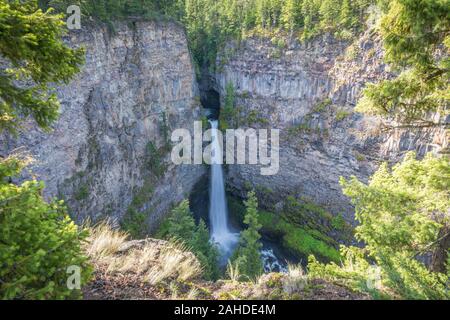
(209, 23)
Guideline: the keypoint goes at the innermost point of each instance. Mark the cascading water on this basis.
(218, 212)
(221, 234)
(271, 263)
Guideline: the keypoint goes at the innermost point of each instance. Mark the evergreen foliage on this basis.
(209, 23)
(400, 213)
(228, 117)
(247, 256)
(181, 226)
(36, 60)
(416, 38)
(38, 241)
(110, 10)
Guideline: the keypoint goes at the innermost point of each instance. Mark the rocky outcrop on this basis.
(137, 84)
(308, 91)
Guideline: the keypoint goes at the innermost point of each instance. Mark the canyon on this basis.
(109, 149)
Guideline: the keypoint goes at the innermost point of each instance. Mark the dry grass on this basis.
(295, 280)
(192, 294)
(104, 240)
(152, 260)
(173, 262)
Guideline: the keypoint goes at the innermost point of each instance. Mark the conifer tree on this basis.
(182, 227)
(207, 253)
(346, 16)
(310, 12)
(38, 240)
(329, 13)
(248, 256)
(401, 214)
(30, 41)
(415, 36)
(290, 15)
(181, 222)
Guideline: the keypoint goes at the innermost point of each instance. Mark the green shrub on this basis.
(255, 117)
(38, 241)
(229, 118)
(322, 106)
(301, 210)
(338, 222)
(82, 193)
(299, 129)
(155, 157)
(359, 156)
(134, 220)
(342, 115)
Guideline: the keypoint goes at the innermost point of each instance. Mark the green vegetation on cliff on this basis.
(300, 241)
(302, 227)
(135, 218)
(209, 23)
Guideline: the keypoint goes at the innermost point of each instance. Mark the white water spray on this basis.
(218, 212)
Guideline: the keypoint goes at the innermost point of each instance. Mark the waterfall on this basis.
(221, 234)
(218, 212)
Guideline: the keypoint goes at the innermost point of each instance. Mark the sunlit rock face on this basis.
(137, 85)
(308, 91)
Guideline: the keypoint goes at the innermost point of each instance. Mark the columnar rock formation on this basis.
(308, 91)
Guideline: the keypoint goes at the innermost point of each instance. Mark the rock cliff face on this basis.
(308, 91)
(109, 150)
(110, 143)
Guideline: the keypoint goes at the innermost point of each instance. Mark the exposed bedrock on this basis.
(110, 143)
(309, 91)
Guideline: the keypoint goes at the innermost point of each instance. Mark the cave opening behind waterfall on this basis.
(210, 100)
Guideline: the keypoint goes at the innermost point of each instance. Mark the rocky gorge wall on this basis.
(108, 152)
(109, 146)
(308, 91)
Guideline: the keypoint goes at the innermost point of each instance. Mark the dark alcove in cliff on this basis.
(211, 102)
(209, 95)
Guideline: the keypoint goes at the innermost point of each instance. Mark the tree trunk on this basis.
(439, 257)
